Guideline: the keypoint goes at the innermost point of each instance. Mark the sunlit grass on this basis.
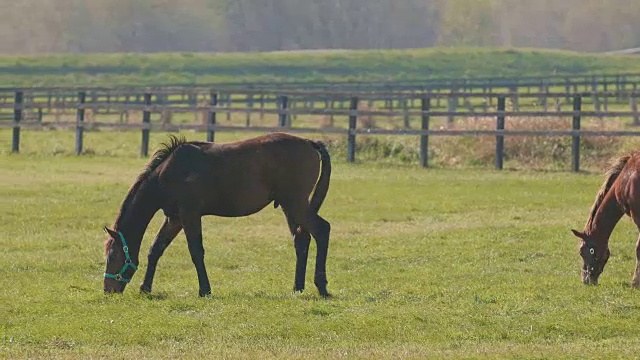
(423, 264)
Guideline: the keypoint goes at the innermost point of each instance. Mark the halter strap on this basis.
(128, 263)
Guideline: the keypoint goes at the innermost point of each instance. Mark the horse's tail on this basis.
(322, 186)
(610, 177)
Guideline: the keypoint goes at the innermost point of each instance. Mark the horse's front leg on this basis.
(169, 230)
(636, 276)
(192, 225)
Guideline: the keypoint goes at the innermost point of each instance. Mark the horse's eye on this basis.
(591, 251)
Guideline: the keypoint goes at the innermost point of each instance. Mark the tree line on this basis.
(77, 26)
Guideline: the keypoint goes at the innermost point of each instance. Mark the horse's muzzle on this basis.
(589, 279)
(113, 287)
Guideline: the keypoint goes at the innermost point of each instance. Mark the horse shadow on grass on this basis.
(161, 296)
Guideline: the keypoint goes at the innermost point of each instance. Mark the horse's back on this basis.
(281, 144)
(271, 155)
(240, 178)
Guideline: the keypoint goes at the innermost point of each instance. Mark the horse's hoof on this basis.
(205, 293)
(145, 290)
(324, 293)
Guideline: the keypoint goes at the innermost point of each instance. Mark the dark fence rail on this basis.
(289, 104)
(572, 83)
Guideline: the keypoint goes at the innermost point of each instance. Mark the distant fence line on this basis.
(26, 100)
(175, 99)
(573, 83)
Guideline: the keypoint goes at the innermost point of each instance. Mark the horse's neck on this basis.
(607, 216)
(137, 215)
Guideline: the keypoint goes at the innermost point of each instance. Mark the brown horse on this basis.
(190, 179)
(619, 195)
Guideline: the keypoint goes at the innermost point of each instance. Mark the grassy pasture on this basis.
(436, 263)
(301, 66)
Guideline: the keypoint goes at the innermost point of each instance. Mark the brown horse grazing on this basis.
(619, 195)
(190, 179)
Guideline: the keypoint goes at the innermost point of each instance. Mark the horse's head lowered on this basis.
(595, 255)
(120, 265)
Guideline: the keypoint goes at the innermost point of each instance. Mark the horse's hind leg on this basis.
(192, 225)
(301, 240)
(636, 276)
(169, 230)
(320, 229)
(309, 222)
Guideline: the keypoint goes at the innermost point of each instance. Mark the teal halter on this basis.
(128, 263)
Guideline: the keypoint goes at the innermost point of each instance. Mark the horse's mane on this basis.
(611, 175)
(158, 158)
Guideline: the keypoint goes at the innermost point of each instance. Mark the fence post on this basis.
(634, 109)
(249, 109)
(575, 146)
(515, 99)
(351, 137)
(331, 118)
(452, 104)
(146, 121)
(292, 107)
(424, 138)
(17, 117)
(80, 121)
(619, 88)
(282, 114)
(405, 111)
(594, 90)
(605, 100)
(261, 106)
(211, 121)
(500, 137)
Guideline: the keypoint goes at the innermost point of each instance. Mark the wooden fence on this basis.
(571, 83)
(488, 87)
(44, 100)
(423, 106)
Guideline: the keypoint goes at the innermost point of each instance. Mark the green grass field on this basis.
(302, 66)
(437, 263)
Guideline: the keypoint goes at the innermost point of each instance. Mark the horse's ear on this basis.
(110, 232)
(579, 234)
